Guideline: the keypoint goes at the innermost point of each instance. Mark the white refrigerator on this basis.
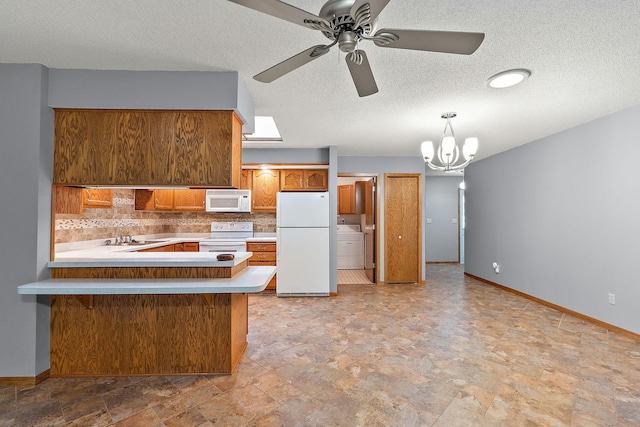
(302, 256)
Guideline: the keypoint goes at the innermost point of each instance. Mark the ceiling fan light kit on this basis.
(448, 152)
(347, 23)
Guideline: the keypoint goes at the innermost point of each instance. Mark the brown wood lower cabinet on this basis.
(264, 254)
(177, 247)
(149, 334)
(187, 247)
(165, 248)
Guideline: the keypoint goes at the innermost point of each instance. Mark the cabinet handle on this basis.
(399, 237)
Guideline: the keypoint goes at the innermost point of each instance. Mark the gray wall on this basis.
(381, 165)
(26, 168)
(441, 200)
(179, 90)
(560, 216)
(285, 155)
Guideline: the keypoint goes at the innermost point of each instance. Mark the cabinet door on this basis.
(67, 200)
(191, 246)
(97, 198)
(245, 183)
(131, 147)
(189, 200)
(186, 247)
(265, 185)
(346, 202)
(292, 180)
(316, 179)
(165, 248)
(163, 200)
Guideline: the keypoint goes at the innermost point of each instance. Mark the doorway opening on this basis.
(461, 223)
(357, 231)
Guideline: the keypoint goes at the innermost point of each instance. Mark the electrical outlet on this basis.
(612, 299)
(496, 267)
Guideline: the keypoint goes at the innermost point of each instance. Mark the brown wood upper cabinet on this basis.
(351, 198)
(135, 147)
(97, 198)
(303, 180)
(346, 199)
(265, 184)
(170, 200)
(189, 200)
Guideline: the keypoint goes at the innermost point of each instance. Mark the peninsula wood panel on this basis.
(147, 272)
(135, 147)
(147, 334)
(403, 228)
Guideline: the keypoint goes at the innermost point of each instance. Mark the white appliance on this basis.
(302, 248)
(350, 243)
(228, 201)
(227, 237)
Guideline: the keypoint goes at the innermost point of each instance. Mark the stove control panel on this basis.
(231, 226)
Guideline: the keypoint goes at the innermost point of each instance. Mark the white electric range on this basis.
(227, 237)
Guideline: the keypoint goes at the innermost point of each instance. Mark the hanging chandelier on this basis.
(448, 152)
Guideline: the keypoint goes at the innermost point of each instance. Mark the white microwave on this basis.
(228, 201)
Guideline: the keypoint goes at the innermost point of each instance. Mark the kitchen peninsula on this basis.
(117, 311)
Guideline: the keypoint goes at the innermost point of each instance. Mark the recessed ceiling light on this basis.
(508, 78)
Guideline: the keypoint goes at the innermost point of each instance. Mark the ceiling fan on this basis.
(346, 23)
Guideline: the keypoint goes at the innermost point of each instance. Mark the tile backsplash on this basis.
(94, 224)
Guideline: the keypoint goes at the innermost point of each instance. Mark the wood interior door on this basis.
(369, 230)
(403, 228)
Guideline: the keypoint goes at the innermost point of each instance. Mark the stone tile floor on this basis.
(455, 352)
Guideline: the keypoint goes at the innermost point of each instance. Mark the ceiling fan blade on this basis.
(432, 41)
(361, 73)
(288, 65)
(284, 11)
(375, 7)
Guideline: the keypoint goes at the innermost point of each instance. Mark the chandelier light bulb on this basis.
(427, 150)
(470, 148)
(448, 146)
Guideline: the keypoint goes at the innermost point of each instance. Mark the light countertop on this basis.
(249, 280)
(127, 256)
(145, 259)
(261, 239)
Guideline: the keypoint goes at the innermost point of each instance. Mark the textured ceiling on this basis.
(584, 56)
